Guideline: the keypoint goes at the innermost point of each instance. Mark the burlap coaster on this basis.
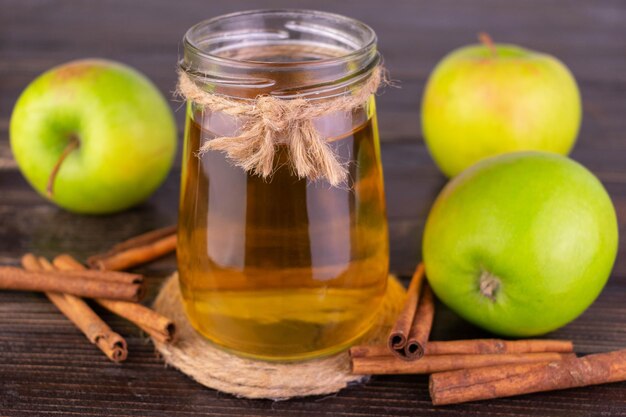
(212, 367)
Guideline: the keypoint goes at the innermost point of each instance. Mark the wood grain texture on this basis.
(36, 376)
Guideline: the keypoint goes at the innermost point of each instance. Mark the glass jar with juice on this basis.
(282, 268)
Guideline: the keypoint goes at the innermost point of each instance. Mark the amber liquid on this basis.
(286, 268)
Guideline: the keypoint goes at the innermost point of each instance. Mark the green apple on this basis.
(94, 136)
(522, 243)
(484, 100)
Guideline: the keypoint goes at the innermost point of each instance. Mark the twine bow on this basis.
(268, 119)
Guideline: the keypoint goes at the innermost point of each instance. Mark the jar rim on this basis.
(193, 38)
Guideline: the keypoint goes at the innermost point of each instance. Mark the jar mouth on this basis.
(213, 38)
(252, 48)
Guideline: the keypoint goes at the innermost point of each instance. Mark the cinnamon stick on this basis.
(422, 324)
(145, 238)
(367, 351)
(106, 276)
(509, 380)
(400, 331)
(110, 275)
(136, 251)
(84, 318)
(82, 284)
(441, 363)
(484, 346)
(474, 347)
(159, 327)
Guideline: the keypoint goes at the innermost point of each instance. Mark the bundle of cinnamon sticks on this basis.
(470, 370)
(65, 281)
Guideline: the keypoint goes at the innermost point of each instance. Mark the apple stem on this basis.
(71, 145)
(486, 40)
(489, 285)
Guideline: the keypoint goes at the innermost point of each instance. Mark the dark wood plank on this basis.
(46, 366)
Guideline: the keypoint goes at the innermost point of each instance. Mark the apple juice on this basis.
(283, 268)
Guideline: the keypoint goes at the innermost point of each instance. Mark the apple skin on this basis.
(477, 104)
(540, 224)
(126, 130)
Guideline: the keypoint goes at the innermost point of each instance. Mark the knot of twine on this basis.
(267, 119)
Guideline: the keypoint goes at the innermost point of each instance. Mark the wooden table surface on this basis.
(47, 367)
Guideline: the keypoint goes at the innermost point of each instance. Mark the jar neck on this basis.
(283, 53)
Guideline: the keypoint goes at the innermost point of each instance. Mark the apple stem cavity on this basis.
(486, 40)
(489, 285)
(72, 144)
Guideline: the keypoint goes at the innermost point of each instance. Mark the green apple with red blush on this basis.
(93, 136)
(487, 99)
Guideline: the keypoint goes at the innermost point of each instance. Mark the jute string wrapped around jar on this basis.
(269, 121)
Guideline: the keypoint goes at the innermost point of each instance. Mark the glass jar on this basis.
(282, 268)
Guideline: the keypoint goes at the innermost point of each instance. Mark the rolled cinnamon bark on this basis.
(82, 284)
(367, 351)
(159, 327)
(109, 275)
(509, 380)
(474, 347)
(84, 318)
(136, 251)
(485, 346)
(422, 324)
(106, 276)
(440, 363)
(145, 238)
(400, 331)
